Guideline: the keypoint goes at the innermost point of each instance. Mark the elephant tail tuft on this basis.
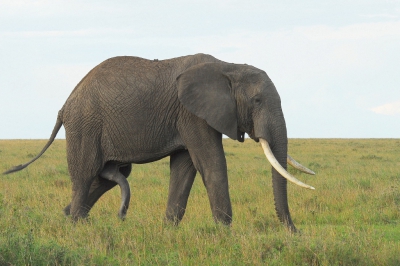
(15, 169)
(56, 128)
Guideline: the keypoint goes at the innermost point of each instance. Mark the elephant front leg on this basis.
(206, 151)
(182, 177)
(216, 183)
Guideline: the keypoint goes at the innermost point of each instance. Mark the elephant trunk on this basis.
(279, 185)
(277, 156)
(278, 159)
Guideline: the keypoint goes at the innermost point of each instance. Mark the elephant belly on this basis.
(140, 146)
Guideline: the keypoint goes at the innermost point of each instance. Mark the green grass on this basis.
(352, 218)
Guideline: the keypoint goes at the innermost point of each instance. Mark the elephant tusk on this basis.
(298, 166)
(278, 167)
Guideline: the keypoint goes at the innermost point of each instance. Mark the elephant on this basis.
(130, 110)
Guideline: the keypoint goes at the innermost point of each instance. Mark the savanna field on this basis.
(352, 218)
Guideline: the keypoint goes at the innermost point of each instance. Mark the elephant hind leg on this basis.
(97, 189)
(84, 156)
(79, 208)
(111, 172)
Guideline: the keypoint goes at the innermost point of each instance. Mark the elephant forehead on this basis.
(258, 86)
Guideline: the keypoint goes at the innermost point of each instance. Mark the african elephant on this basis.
(133, 110)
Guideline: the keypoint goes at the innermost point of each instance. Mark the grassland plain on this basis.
(352, 218)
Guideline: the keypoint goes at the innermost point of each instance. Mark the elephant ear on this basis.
(205, 91)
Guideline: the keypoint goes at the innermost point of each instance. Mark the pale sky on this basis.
(336, 64)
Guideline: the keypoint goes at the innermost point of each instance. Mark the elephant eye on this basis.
(257, 101)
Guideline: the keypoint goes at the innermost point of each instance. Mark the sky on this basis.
(335, 64)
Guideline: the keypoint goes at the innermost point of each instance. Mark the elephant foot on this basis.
(174, 214)
(76, 218)
(67, 210)
(223, 217)
(172, 220)
(225, 221)
(76, 214)
(79, 217)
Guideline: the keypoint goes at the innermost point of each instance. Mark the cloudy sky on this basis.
(336, 64)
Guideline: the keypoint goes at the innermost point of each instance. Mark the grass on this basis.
(352, 218)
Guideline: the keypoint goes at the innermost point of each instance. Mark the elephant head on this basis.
(238, 99)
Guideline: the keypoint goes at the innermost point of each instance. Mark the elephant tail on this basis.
(56, 128)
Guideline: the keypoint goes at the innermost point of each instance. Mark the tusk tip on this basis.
(307, 171)
(298, 166)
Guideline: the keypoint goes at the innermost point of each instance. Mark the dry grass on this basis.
(352, 218)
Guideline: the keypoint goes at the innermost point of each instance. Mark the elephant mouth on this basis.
(241, 136)
(274, 162)
(252, 135)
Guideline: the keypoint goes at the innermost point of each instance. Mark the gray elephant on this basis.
(133, 110)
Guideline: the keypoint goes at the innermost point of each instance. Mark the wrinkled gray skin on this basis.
(132, 110)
